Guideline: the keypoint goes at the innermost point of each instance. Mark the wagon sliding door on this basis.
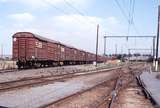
(22, 48)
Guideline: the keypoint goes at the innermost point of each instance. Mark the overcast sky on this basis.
(74, 22)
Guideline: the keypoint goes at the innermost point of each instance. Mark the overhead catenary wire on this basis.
(65, 12)
(82, 14)
(79, 12)
(87, 21)
(132, 18)
(126, 16)
(62, 11)
(133, 9)
(130, 15)
(87, 17)
(122, 11)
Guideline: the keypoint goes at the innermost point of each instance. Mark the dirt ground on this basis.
(133, 97)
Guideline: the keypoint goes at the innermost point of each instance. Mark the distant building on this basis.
(6, 57)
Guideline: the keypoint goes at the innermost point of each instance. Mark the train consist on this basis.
(31, 50)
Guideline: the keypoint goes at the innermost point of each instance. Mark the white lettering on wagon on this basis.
(39, 44)
(62, 49)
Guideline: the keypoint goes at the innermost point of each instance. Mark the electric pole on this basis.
(115, 49)
(1, 51)
(154, 52)
(156, 68)
(104, 46)
(97, 43)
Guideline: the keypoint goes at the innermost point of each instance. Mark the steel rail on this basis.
(10, 85)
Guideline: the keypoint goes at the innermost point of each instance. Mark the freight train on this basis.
(31, 50)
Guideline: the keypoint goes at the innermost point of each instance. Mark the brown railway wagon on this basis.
(69, 52)
(31, 50)
(27, 48)
(73, 54)
(88, 56)
(69, 55)
(53, 51)
(81, 56)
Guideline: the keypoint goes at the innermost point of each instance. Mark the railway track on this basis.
(8, 70)
(110, 97)
(63, 89)
(46, 79)
(121, 83)
(81, 92)
(30, 82)
(3, 71)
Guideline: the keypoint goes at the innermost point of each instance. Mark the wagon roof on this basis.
(53, 41)
(45, 39)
